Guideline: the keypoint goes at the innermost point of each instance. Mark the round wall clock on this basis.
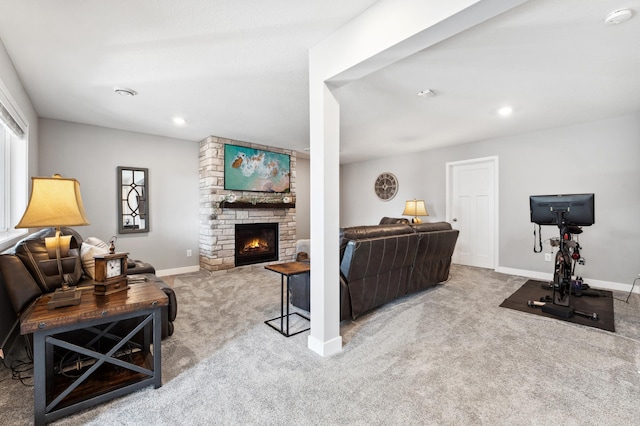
(386, 186)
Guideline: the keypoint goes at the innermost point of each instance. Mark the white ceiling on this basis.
(239, 69)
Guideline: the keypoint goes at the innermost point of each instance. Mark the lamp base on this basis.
(416, 220)
(65, 297)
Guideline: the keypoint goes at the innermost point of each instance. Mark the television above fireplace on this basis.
(250, 169)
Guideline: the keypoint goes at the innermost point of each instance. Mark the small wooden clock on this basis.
(111, 273)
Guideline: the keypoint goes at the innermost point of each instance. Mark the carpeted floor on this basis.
(449, 355)
(533, 290)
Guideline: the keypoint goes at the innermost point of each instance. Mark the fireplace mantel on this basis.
(249, 205)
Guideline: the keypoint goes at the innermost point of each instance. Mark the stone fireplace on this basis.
(256, 243)
(221, 210)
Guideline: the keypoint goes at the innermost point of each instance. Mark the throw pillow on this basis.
(91, 247)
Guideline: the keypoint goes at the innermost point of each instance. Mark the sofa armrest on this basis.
(136, 267)
(173, 303)
(21, 288)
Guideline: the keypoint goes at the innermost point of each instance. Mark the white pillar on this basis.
(325, 336)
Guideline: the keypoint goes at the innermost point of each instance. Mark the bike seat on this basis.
(574, 229)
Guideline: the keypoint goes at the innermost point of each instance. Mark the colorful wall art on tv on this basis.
(249, 169)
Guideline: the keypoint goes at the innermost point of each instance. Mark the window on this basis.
(13, 166)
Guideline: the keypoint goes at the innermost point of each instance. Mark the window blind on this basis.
(7, 119)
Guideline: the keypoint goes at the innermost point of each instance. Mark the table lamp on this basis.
(56, 201)
(415, 208)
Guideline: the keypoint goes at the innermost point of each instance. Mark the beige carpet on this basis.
(449, 355)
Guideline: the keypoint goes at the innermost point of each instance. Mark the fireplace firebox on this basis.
(256, 243)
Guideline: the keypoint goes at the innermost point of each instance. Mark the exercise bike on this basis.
(569, 213)
(565, 263)
(563, 285)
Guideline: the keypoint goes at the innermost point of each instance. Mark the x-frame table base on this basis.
(139, 370)
(103, 348)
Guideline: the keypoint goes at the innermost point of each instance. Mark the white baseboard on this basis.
(325, 349)
(605, 285)
(178, 271)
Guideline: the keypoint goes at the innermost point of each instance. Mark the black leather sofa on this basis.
(23, 279)
(380, 263)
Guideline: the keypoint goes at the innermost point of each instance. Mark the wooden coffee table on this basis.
(107, 365)
(287, 270)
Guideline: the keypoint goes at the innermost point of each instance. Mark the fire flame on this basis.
(255, 244)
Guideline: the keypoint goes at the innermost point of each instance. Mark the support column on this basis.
(325, 336)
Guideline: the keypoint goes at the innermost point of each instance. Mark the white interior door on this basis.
(471, 208)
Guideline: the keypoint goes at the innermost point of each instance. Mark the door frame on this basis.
(496, 199)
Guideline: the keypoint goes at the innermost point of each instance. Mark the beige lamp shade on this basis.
(415, 208)
(54, 201)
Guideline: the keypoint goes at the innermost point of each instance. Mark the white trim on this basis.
(496, 199)
(605, 285)
(10, 237)
(178, 271)
(323, 348)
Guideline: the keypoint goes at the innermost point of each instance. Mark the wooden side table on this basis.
(287, 270)
(103, 372)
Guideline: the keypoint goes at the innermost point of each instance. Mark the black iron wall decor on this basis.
(133, 200)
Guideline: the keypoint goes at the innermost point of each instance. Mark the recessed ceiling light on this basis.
(505, 111)
(179, 121)
(428, 93)
(618, 16)
(123, 91)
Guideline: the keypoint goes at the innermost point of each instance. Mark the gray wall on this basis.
(600, 157)
(91, 155)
